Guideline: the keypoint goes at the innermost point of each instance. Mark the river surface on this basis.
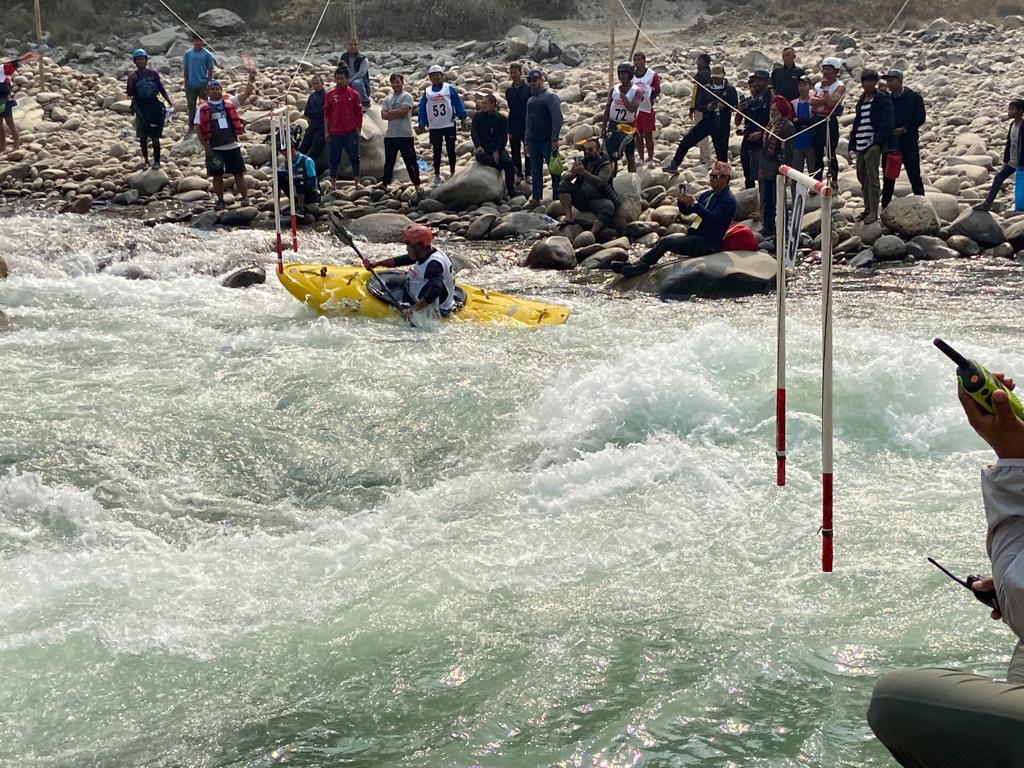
(236, 534)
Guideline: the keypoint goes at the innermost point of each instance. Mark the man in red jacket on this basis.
(343, 116)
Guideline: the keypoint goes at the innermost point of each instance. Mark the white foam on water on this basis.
(231, 530)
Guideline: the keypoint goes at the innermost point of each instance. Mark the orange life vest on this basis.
(205, 127)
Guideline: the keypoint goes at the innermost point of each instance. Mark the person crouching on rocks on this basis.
(715, 209)
(587, 186)
(219, 128)
(144, 89)
(307, 187)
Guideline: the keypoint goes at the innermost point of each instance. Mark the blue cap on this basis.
(139, 52)
(213, 84)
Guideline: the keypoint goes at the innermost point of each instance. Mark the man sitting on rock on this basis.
(307, 187)
(219, 128)
(1013, 154)
(715, 209)
(490, 137)
(358, 71)
(587, 186)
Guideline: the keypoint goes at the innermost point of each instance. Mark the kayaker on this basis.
(145, 89)
(431, 280)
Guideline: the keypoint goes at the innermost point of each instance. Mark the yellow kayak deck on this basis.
(346, 290)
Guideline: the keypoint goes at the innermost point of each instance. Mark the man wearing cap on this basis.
(702, 77)
(714, 211)
(543, 128)
(908, 117)
(755, 109)
(869, 139)
(786, 76)
(438, 110)
(587, 186)
(647, 82)
(144, 87)
(219, 128)
(826, 99)
(198, 64)
(714, 103)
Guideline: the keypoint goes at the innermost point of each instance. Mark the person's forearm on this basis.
(1002, 488)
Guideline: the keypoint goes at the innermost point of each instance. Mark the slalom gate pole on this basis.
(611, 43)
(39, 39)
(826, 381)
(780, 311)
(291, 179)
(275, 187)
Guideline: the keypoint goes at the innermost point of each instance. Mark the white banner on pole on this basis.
(795, 223)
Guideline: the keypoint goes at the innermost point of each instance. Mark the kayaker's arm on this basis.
(394, 261)
(434, 288)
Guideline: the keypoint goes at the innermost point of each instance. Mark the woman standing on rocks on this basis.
(144, 89)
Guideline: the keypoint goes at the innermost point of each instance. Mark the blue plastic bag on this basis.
(1018, 190)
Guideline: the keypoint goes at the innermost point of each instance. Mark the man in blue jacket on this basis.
(313, 138)
(543, 127)
(715, 209)
(439, 107)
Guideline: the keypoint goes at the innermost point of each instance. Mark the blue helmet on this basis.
(139, 52)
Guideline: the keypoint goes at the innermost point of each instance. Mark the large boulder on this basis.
(160, 42)
(474, 184)
(221, 18)
(380, 227)
(147, 182)
(1015, 234)
(245, 277)
(627, 187)
(911, 216)
(551, 253)
(980, 226)
(755, 60)
(238, 216)
(480, 226)
(725, 274)
(520, 224)
(945, 205)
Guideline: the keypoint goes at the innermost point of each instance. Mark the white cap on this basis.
(436, 69)
(832, 61)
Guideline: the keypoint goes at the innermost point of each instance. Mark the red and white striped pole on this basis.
(780, 312)
(291, 179)
(276, 189)
(826, 380)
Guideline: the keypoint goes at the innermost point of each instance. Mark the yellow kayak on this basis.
(346, 290)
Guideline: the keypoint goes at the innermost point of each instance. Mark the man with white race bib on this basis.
(439, 108)
(431, 280)
(619, 113)
(647, 82)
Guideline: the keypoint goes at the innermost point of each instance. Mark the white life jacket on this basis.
(418, 279)
(440, 113)
(645, 85)
(618, 112)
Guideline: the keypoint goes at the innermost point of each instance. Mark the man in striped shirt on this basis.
(869, 139)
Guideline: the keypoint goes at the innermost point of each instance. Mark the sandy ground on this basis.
(662, 20)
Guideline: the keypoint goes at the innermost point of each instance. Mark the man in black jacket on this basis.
(908, 117)
(516, 96)
(869, 140)
(490, 136)
(313, 139)
(786, 76)
(715, 103)
(755, 107)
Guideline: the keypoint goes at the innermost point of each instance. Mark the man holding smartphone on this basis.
(933, 718)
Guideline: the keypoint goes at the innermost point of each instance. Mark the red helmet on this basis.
(417, 234)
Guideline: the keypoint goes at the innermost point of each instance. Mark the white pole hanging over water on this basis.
(780, 335)
(275, 125)
(291, 179)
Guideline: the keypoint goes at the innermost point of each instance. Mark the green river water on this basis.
(235, 534)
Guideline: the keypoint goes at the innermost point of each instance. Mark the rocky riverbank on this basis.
(78, 150)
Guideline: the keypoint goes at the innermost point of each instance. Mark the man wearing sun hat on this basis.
(714, 211)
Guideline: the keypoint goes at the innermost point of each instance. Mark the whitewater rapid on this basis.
(236, 534)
